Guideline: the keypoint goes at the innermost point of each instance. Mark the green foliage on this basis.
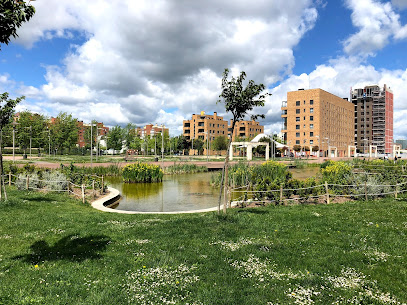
(337, 173)
(13, 14)
(142, 172)
(115, 139)
(31, 126)
(220, 143)
(64, 132)
(185, 168)
(198, 145)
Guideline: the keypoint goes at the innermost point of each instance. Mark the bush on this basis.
(142, 172)
(185, 168)
(33, 181)
(55, 181)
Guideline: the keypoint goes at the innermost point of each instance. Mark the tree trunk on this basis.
(225, 171)
(1, 165)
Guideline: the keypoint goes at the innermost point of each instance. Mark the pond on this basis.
(184, 192)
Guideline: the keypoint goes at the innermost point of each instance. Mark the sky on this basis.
(161, 61)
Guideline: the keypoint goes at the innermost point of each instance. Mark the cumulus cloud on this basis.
(377, 23)
(167, 56)
(401, 4)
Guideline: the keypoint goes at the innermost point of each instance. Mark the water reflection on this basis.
(176, 193)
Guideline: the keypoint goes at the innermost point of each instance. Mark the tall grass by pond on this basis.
(142, 172)
(184, 168)
(64, 252)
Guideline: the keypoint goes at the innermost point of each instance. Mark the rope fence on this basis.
(59, 186)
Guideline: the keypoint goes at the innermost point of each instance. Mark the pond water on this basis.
(184, 192)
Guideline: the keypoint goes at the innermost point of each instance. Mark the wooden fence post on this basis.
(83, 193)
(9, 178)
(327, 192)
(365, 190)
(396, 191)
(27, 181)
(69, 182)
(93, 189)
(281, 194)
(102, 189)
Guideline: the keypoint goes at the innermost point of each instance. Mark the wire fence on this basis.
(83, 191)
(322, 193)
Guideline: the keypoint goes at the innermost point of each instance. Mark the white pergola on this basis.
(334, 149)
(249, 146)
(396, 150)
(371, 148)
(351, 151)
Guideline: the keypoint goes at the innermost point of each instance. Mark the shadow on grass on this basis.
(71, 247)
(254, 211)
(38, 198)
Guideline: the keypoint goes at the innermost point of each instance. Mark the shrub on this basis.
(54, 180)
(142, 172)
(33, 181)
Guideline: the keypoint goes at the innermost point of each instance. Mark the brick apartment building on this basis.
(245, 129)
(151, 130)
(201, 126)
(316, 117)
(101, 131)
(373, 120)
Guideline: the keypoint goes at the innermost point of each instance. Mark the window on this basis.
(304, 102)
(311, 102)
(297, 142)
(297, 103)
(311, 142)
(311, 126)
(297, 134)
(297, 126)
(304, 118)
(311, 118)
(297, 110)
(311, 110)
(311, 134)
(297, 119)
(304, 110)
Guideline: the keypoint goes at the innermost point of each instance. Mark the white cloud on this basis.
(401, 4)
(377, 23)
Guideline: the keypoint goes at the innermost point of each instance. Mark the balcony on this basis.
(187, 125)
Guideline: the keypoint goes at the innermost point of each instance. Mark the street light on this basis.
(162, 145)
(14, 124)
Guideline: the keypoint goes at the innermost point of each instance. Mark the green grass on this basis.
(270, 255)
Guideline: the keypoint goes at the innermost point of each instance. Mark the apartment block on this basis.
(245, 129)
(201, 126)
(151, 130)
(373, 119)
(316, 117)
(100, 131)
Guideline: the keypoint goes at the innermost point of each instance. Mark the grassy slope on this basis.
(271, 255)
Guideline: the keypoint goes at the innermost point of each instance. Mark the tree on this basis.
(13, 13)
(31, 130)
(6, 112)
(199, 145)
(64, 132)
(262, 149)
(115, 138)
(297, 148)
(129, 133)
(220, 143)
(184, 144)
(238, 101)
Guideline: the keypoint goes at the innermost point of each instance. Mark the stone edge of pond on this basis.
(113, 193)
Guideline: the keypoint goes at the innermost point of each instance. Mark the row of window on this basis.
(311, 110)
(311, 134)
(298, 103)
(311, 142)
(297, 119)
(311, 126)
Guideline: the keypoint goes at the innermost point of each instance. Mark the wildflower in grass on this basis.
(233, 246)
(161, 285)
(303, 295)
(36, 266)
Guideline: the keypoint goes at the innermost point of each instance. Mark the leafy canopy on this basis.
(238, 100)
(12, 15)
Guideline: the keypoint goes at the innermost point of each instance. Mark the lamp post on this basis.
(14, 124)
(162, 145)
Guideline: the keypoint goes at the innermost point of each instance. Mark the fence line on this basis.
(69, 189)
(327, 193)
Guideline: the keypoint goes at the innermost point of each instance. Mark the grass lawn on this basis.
(54, 250)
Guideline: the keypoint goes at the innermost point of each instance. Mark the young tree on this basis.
(115, 138)
(6, 112)
(220, 143)
(199, 145)
(238, 101)
(13, 13)
(64, 131)
(31, 130)
(129, 133)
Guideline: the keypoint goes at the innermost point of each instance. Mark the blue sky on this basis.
(159, 62)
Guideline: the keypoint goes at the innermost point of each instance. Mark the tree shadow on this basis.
(253, 211)
(71, 247)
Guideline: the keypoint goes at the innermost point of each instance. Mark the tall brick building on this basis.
(201, 126)
(151, 130)
(373, 121)
(245, 129)
(316, 117)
